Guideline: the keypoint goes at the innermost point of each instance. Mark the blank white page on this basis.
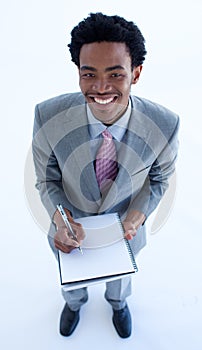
(101, 230)
(110, 260)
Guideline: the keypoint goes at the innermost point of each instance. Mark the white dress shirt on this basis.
(96, 128)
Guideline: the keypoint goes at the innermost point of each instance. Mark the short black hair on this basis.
(98, 27)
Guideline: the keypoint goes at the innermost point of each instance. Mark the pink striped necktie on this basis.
(106, 165)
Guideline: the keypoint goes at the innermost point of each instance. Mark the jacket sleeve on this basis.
(156, 182)
(48, 173)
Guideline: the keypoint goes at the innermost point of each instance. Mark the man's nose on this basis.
(101, 86)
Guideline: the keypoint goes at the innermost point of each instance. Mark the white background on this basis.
(166, 302)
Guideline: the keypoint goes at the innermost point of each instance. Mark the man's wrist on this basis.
(136, 217)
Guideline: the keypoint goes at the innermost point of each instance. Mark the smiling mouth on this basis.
(103, 101)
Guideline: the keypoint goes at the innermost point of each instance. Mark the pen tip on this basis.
(81, 250)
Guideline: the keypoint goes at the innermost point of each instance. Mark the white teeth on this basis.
(103, 102)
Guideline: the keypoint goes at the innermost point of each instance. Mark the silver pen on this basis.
(67, 223)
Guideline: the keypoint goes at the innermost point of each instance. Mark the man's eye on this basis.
(116, 75)
(89, 75)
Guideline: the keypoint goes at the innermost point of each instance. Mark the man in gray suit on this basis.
(68, 132)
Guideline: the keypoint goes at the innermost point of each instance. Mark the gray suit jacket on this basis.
(64, 163)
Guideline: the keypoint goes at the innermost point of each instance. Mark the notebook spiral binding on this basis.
(131, 255)
(128, 246)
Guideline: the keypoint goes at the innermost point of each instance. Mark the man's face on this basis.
(105, 79)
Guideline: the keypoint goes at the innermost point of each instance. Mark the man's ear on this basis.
(136, 74)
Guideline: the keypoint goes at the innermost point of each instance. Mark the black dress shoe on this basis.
(122, 322)
(68, 321)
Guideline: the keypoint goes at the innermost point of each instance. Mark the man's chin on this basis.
(107, 114)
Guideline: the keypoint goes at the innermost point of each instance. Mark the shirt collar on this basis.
(117, 130)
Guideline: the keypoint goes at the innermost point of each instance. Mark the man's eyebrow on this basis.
(118, 66)
(108, 69)
(88, 68)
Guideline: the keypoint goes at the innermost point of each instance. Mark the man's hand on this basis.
(63, 240)
(132, 222)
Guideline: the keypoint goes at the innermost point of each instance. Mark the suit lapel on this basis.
(76, 125)
(130, 158)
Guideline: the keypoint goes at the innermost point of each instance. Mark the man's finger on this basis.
(128, 236)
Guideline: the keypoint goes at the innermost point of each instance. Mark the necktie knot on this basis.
(107, 135)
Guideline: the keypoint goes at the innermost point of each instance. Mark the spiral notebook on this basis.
(106, 254)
